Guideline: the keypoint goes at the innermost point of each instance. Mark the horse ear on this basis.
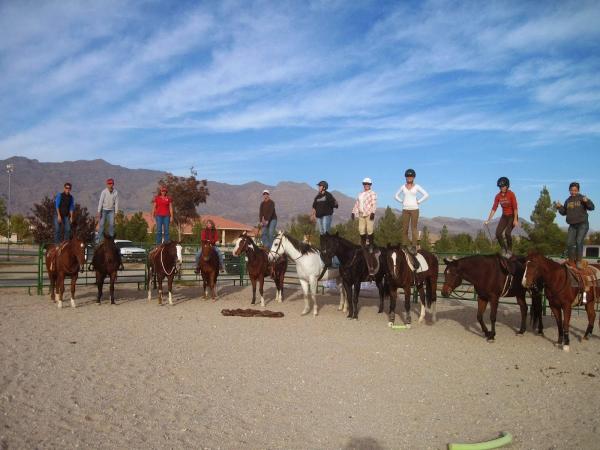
(245, 233)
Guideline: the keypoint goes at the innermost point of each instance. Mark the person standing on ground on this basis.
(407, 195)
(64, 204)
(510, 215)
(322, 207)
(267, 218)
(576, 209)
(108, 207)
(163, 213)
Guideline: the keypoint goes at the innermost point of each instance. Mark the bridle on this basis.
(279, 244)
(163, 264)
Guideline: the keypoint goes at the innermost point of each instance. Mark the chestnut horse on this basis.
(162, 262)
(66, 259)
(493, 277)
(560, 293)
(259, 267)
(208, 266)
(106, 261)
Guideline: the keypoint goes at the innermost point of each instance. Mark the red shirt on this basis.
(210, 235)
(508, 202)
(163, 204)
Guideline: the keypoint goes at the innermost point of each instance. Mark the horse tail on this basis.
(431, 282)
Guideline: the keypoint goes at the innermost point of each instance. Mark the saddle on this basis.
(54, 252)
(416, 262)
(584, 279)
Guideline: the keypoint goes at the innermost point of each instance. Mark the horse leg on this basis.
(481, 306)
(431, 296)
(313, 293)
(343, 298)
(348, 290)
(170, 286)
(493, 315)
(113, 278)
(204, 286)
(149, 281)
(523, 307)
(160, 291)
(407, 295)
(566, 320)
(73, 283)
(261, 284)
(355, 295)
(591, 313)
(381, 286)
(557, 313)
(99, 285)
(60, 284)
(253, 281)
(423, 304)
(52, 288)
(393, 298)
(305, 288)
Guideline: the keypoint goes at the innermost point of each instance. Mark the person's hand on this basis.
(485, 222)
(372, 216)
(313, 218)
(352, 216)
(59, 219)
(585, 199)
(516, 223)
(558, 204)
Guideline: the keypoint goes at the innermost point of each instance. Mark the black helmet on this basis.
(324, 184)
(503, 181)
(410, 173)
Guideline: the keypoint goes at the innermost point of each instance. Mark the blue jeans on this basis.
(106, 215)
(219, 254)
(66, 225)
(324, 224)
(162, 222)
(575, 238)
(268, 234)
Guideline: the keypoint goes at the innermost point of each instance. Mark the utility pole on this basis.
(10, 168)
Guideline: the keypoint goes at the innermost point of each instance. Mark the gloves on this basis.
(352, 216)
(372, 216)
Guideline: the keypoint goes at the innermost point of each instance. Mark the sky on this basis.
(463, 92)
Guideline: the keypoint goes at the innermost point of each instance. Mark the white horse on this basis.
(309, 266)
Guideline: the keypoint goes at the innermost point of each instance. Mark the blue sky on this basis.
(463, 92)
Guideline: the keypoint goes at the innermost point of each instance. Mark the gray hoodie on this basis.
(109, 201)
(576, 209)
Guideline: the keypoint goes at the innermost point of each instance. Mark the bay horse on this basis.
(399, 275)
(105, 262)
(353, 269)
(208, 266)
(560, 293)
(493, 277)
(162, 262)
(66, 259)
(259, 266)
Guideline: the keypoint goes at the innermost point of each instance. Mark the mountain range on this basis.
(32, 180)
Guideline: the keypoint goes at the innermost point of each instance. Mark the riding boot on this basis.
(363, 239)
(371, 242)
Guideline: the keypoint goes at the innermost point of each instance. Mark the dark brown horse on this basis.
(400, 276)
(208, 266)
(105, 262)
(66, 259)
(560, 293)
(259, 267)
(493, 277)
(163, 261)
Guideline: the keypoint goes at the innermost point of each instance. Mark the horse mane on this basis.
(300, 246)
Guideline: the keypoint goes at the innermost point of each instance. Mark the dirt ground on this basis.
(139, 375)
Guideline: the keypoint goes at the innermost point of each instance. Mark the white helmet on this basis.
(367, 181)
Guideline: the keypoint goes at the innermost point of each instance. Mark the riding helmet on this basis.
(367, 180)
(503, 181)
(410, 173)
(324, 184)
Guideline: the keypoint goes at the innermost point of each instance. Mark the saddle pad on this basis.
(423, 266)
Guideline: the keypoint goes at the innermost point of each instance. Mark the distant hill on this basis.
(32, 180)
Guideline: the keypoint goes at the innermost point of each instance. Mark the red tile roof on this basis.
(220, 222)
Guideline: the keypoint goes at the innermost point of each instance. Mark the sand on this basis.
(139, 375)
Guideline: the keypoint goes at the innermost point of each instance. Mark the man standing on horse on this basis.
(510, 214)
(322, 207)
(108, 206)
(65, 206)
(210, 234)
(576, 209)
(268, 219)
(364, 208)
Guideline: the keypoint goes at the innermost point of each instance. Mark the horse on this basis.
(400, 275)
(560, 293)
(353, 269)
(208, 266)
(493, 277)
(62, 260)
(162, 262)
(259, 266)
(105, 262)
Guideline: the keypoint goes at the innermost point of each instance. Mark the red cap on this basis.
(163, 189)
(110, 181)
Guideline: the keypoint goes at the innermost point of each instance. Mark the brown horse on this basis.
(162, 262)
(259, 267)
(400, 275)
(105, 262)
(66, 259)
(208, 266)
(493, 277)
(560, 293)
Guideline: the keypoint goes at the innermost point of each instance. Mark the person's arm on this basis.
(171, 215)
(355, 208)
(373, 205)
(424, 194)
(561, 208)
(57, 206)
(72, 208)
(515, 210)
(334, 202)
(493, 211)
(154, 207)
(399, 195)
(588, 204)
(116, 201)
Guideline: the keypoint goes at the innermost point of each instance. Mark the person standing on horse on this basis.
(510, 215)
(210, 234)
(267, 218)
(108, 206)
(364, 209)
(576, 209)
(407, 195)
(64, 204)
(163, 213)
(322, 207)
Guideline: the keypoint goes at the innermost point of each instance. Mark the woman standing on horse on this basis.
(210, 234)
(510, 214)
(322, 207)
(407, 195)
(163, 212)
(576, 209)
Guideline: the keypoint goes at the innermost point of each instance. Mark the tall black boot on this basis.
(371, 242)
(363, 239)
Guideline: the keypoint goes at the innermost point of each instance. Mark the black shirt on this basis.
(324, 203)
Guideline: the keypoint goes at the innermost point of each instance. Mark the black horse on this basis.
(106, 261)
(353, 268)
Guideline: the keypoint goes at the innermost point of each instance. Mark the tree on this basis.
(482, 244)
(84, 224)
(120, 222)
(302, 226)
(187, 194)
(544, 235)
(594, 238)
(42, 222)
(20, 226)
(425, 240)
(136, 227)
(389, 229)
(462, 242)
(444, 243)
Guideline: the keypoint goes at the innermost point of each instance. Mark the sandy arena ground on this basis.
(137, 375)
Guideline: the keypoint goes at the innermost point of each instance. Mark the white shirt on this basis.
(408, 197)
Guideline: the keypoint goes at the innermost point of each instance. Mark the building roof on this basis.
(220, 222)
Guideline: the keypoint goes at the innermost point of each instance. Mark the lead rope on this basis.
(507, 284)
(163, 264)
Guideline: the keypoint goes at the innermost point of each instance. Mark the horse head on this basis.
(241, 244)
(533, 265)
(329, 246)
(207, 250)
(452, 276)
(78, 250)
(277, 249)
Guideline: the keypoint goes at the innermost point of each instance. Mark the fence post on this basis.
(40, 274)
(242, 269)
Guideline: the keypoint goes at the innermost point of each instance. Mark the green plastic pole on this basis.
(242, 269)
(40, 274)
(504, 439)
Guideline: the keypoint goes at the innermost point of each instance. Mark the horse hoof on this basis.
(586, 338)
(380, 311)
(390, 324)
(520, 333)
(566, 348)
(59, 304)
(491, 340)
(112, 302)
